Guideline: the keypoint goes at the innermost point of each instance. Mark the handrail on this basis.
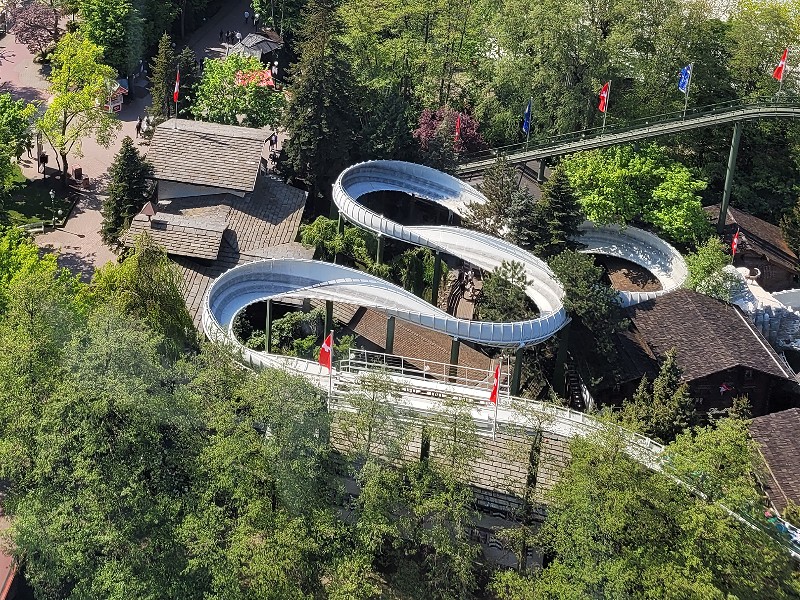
(653, 126)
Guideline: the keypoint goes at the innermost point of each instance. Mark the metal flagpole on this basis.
(688, 85)
(783, 72)
(496, 399)
(530, 118)
(330, 371)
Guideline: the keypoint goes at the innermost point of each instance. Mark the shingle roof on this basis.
(255, 44)
(180, 235)
(210, 154)
(761, 236)
(779, 444)
(710, 335)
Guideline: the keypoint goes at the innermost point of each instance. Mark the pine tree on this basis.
(665, 409)
(388, 133)
(526, 227)
(190, 75)
(127, 191)
(162, 79)
(560, 215)
(321, 117)
(498, 185)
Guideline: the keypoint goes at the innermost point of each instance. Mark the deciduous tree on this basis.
(234, 87)
(79, 83)
(36, 25)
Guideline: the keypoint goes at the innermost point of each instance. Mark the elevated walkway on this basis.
(650, 127)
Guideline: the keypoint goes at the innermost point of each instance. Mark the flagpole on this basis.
(494, 423)
(783, 71)
(530, 118)
(330, 372)
(688, 85)
(605, 112)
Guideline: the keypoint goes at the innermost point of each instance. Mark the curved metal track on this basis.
(654, 127)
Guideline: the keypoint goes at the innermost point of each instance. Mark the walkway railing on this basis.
(647, 127)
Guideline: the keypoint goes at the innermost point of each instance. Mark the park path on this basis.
(79, 244)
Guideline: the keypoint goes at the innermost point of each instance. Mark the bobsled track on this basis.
(422, 384)
(276, 279)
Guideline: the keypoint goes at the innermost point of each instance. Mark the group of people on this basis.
(230, 37)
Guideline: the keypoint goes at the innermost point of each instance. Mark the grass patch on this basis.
(30, 202)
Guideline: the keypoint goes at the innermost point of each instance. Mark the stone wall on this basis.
(500, 472)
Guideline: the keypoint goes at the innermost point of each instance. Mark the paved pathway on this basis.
(81, 248)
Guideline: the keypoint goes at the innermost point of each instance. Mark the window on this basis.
(748, 374)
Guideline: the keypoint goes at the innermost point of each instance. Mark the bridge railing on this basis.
(674, 116)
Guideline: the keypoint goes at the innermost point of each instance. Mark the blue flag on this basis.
(526, 120)
(684, 78)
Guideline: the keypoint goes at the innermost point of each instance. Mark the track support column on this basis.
(517, 373)
(390, 322)
(268, 330)
(437, 278)
(328, 316)
(559, 373)
(340, 224)
(729, 172)
(379, 252)
(455, 346)
(540, 174)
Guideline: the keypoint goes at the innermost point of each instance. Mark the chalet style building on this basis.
(779, 446)
(720, 351)
(762, 247)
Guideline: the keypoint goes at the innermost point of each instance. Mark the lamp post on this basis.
(53, 206)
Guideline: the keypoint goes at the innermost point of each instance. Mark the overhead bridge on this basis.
(642, 129)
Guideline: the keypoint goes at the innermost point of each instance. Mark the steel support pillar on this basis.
(729, 172)
(334, 211)
(437, 278)
(455, 346)
(340, 224)
(559, 373)
(517, 373)
(379, 252)
(540, 174)
(328, 316)
(268, 330)
(390, 322)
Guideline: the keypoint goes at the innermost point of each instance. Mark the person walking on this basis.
(273, 141)
(139, 126)
(246, 17)
(256, 18)
(238, 37)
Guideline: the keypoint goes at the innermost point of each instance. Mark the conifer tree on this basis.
(162, 79)
(498, 185)
(561, 215)
(187, 63)
(321, 118)
(127, 191)
(388, 132)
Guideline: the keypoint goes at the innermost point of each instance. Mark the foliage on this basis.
(426, 47)
(499, 185)
(79, 83)
(187, 86)
(15, 125)
(663, 409)
(127, 190)
(162, 79)
(413, 269)
(549, 226)
(436, 135)
(588, 298)
(36, 25)
(321, 116)
(707, 273)
(147, 285)
(117, 27)
(388, 129)
(222, 95)
(790, 227)
(503, 296)
(621, 185)
(618, 530)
